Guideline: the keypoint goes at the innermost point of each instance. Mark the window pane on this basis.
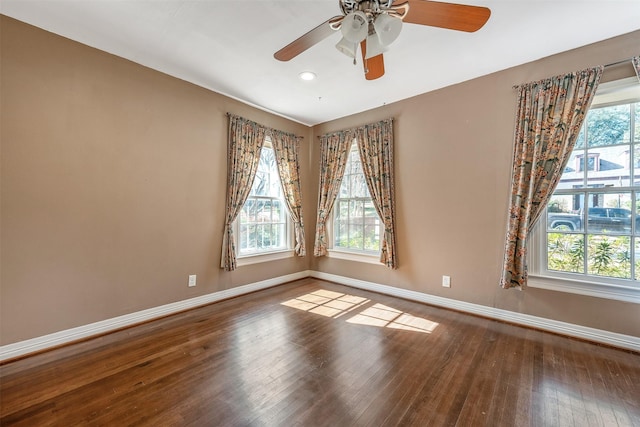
(272, 237)
(278, 210)
(345, 186)
(608, 125)
(637, 218)
(343, 209)
(573, 175)
(355, 210)
(356, 224)
(342, 239)
(356, 236)
(359, 186)
(372, 233)
(266, 237)
(251, 237)
(608, 166)
(253, 210)
(281, 235)
(260, 184)
(244, 214)
(565, 212)
(354, 158)
(637, 252)
(609, 213)
(370, 210)
(263, 211)
(266, 181)
(636, 133)
(565, 252)
(259, 231)
(636, 163)
(243, 240)
(609, 256)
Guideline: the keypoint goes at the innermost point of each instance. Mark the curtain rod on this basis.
(611, 64)
(390, 119)
(622, 61)
(265, 127)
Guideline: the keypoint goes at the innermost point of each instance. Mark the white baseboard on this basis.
(591, 334)
(22, 348)
(33, 345)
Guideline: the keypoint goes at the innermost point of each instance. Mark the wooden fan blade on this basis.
(373, 67)
(307, 40)
(447, 15)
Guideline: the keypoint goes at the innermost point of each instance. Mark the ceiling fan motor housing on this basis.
(370, 7)
(363, 18)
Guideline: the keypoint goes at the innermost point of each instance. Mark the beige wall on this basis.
(113, 186)
(113, 181)
(453, 152)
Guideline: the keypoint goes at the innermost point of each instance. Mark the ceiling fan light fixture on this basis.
(354, 27)
(374, 47)
(347, 47)
(388, 28)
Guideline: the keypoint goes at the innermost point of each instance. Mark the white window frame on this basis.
(350, 254)
(269, 254)
(595, 286)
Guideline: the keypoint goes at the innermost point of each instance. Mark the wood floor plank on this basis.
(314, 353)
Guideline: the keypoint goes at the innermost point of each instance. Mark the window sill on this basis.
(598, 290)
(355, 256)
(264, 257)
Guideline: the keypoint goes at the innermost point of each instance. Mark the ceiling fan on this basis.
(374, 24)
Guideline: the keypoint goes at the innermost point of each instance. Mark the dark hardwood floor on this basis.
(312, 353)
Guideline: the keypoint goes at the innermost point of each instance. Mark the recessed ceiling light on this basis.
(307, 75)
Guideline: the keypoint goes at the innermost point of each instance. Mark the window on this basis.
(263, 223)
(592, 232)
(356, 224)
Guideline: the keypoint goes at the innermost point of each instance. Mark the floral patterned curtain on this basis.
(375, 142)
(286, 150)
(244, 145)
(636, 64)
(549, 116)
(334, 151)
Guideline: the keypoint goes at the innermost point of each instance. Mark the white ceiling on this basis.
(228, 46)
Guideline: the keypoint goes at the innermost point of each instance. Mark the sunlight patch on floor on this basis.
(335, 304)
(386, 317)
(326, 303)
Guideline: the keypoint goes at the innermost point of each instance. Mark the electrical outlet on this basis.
(446, 281)
(192, 280)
